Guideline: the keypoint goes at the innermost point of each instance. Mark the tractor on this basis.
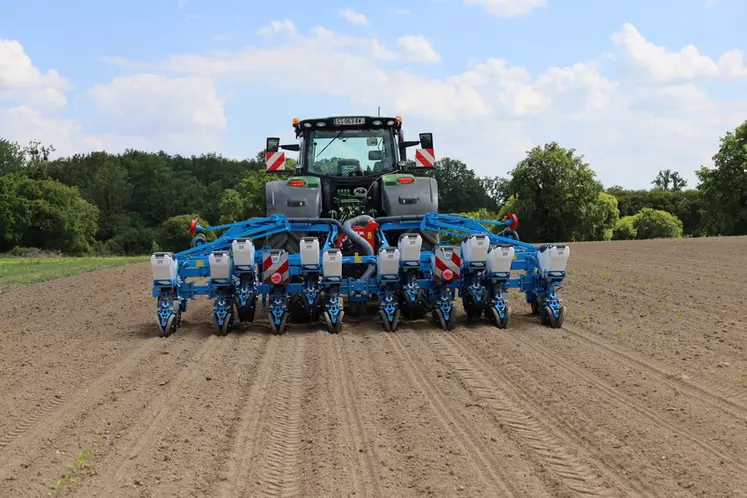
(351, 226)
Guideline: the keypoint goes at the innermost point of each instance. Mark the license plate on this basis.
(350, 121)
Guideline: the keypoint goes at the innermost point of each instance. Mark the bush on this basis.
(174, 233)
(45, 214)
(625, 228)
(656, 224)
(132, 241)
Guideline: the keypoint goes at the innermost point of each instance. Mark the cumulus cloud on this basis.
(281, 27)
(662, 65)
(508, 8)
(21, 81)
(149, 104)
(354, 17)
(418, 48)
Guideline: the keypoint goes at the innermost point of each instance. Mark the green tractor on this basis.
(352, 169)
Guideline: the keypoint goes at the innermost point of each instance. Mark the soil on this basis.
(641, 393)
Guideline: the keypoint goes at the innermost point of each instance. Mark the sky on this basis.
(634, 86)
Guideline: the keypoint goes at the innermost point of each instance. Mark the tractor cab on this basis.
(349, 168)
(349, 147)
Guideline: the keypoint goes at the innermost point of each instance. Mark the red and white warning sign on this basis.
(446, 262)
(275, 161)
(425, 158)
(275, 261)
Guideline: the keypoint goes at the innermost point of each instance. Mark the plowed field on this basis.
(641, 393)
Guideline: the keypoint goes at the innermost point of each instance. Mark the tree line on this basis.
(138, 202)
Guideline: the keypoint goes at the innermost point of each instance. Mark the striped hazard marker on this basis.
(275, 266)
(424, 157)
(447, 263)
(275, 161)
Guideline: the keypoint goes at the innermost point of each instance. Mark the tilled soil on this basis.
(641, 393)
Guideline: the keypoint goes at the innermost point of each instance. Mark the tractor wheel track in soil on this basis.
(153, 420)
(557, 455)
(628, 401)
(346, 395)
(267, 450)
(732, 401)
(54, 413)
(487, 462)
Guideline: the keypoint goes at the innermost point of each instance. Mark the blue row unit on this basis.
(314, 283)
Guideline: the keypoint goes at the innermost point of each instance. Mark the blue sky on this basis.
(634, 86)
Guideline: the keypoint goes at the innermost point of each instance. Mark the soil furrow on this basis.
(54, 413)
(577, 475)
(487, 463)
(278, 464)
(240, 460)
(678, 434)
(365, 473)
(731, 400)
(155, 418)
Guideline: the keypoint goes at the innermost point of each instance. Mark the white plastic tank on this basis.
(500, 259)
(243, 253)
(409, 247)
(553, 257)
(164, 266)
(475, 249)
(387, 262)
(332, 264)
(309, 249)
(220, 264)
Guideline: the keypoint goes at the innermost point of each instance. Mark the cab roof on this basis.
(344, 122)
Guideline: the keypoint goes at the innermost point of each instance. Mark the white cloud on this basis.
(418, 48)
(284, 27)
(508, 8)
(149, 105)
(354, 17)
(21, 81)
(23, 124)
(661, 64)
(400, 12)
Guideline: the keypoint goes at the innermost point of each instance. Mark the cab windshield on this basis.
(350, 152)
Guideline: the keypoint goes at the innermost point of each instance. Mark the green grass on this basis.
(17, 271)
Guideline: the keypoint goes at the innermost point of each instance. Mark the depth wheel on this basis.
(499, 322)
(535, 306)
(555, 323)
(227, 325)
(333, 328)
(386, 324)
(170, 327)
(280, 328)
(445, 324)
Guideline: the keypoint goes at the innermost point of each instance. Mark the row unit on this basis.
(446, 262)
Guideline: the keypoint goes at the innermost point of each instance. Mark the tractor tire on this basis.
(290, 241)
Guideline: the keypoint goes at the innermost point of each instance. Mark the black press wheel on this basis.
(170, 327)
(535, 306)
(280, 328)
(445, 324)
(499, 322)
(333, 328)
(386, 324)
(553, 322)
